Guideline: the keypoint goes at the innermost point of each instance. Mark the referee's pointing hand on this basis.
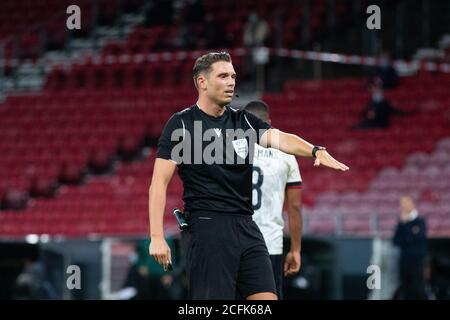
(325, 159)
(160, 251)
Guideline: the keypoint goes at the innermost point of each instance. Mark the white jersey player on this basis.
(276, 178)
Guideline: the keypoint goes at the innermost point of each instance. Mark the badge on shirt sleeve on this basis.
(241, 147)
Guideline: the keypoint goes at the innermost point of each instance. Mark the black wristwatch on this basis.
(315, 149)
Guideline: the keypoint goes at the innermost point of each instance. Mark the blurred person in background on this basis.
(411, 237)
(256, 31)
(386, 72)
(140, 284)
(31, 283)
(171, 280)
(378, 112)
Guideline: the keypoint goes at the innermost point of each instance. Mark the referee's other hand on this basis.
(160, 251)
(325, 159)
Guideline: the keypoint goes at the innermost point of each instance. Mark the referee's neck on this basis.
(210, 108)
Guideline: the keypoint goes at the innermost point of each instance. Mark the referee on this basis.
(226, 254)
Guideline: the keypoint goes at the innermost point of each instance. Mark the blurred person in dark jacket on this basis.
(32, 284)
(379, 110)
(411, 237)
(139, 284)
(385, 71)
(146, 287)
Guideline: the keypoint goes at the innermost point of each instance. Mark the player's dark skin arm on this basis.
(163, 171)
(292, 261)
(292, 144)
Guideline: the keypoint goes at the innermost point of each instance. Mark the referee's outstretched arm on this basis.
(163, 171)
(292, 144)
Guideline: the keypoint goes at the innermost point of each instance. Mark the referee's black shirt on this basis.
(226, 186)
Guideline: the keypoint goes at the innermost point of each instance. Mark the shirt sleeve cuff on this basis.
(294, 185)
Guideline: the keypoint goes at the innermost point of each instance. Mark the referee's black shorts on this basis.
(226, 257)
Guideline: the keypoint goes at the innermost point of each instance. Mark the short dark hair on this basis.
(204, 63)
(258, 108)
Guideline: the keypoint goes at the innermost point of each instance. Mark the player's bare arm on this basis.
(292, 261)
(293, 144)
(163, 171)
